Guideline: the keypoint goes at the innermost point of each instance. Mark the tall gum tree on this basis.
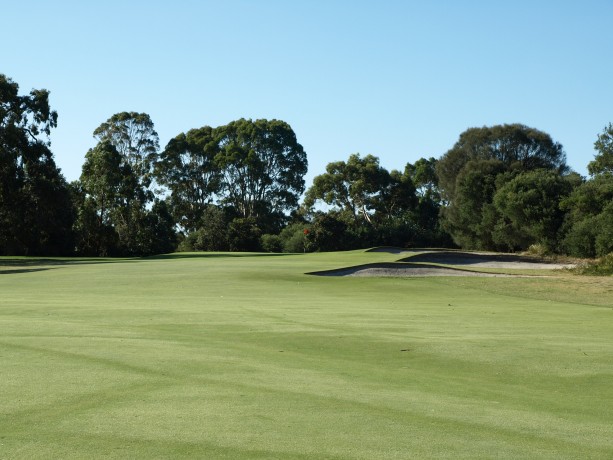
(361, 190)
(134, 137)
(187, 168)
(35, 207)
(262, 168)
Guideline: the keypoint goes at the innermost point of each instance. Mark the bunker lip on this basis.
(460, 263)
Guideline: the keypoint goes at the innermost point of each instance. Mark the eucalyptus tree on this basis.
(134, 137)
(35, 207)
(104, 187)
(603, 161)
(363, 191)
(262, 169)
(113, 218)
(187, 168)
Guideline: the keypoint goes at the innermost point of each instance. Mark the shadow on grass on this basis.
(467, 258)
(38, 262)
(8, 261)
(207, 255)
(22, 270)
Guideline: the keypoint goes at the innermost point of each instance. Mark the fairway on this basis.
(213, 355)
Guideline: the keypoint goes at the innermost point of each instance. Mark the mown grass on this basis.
(245, 356)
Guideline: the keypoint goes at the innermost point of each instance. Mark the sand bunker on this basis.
(399, 269)
(419, 263)
(484, 260)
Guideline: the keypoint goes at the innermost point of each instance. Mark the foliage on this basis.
(134, 137)
(187, 168)
(371, 206)
(603, 161)
(271, 243)
(262, 167)
(36, 213)
(360, 188)
(472, 216)
(244, 234)
(602, 266)
(479, 164)
(529, 210)
(212, 233)
(589, 208)
(517, 147)
(329, 232)
(424, 177)
(113, 218)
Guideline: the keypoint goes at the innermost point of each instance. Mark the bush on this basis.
(271, 243)
(537, 249)
(244, 235)
(294, 239)
(599, 267)
(580, 239)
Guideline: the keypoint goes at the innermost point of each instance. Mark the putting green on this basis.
(245, 356)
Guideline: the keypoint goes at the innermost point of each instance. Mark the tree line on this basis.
(240, 187)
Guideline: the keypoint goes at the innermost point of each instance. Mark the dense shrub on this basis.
(599, 267)
(271, 243)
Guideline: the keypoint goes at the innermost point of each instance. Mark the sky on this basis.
(399, 80)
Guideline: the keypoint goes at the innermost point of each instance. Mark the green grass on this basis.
(245, 356)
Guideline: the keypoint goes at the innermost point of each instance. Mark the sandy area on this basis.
(484, 260)
(417, 263)
(402, 269)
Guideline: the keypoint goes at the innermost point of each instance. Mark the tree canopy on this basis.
(35, 206)
(479, 164)
(359, 188)
(603, 161)
(188, 168)
(262, 167)
(238, 187)
(134, 137)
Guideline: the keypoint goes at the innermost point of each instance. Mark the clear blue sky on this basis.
(396, 79)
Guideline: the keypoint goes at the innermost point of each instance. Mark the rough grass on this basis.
(244, 356)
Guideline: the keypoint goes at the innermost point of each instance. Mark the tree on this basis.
(471, 217)
(589, 220)
(377, 207)
(187, 168)
(134, 137)
(101, 186)
(355, 188)
(603, 161)
(113, 219)
(35, 210)
(529, 209)
(262, 167)
(517, 146)
(424, 177)
(212, 232)
(156, 233)
(482, 161)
